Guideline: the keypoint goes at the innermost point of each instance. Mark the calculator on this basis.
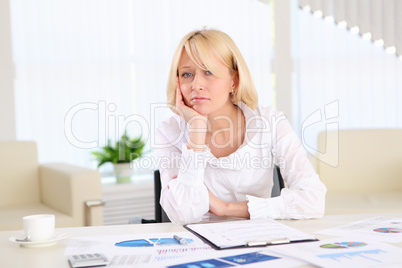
(88, 260)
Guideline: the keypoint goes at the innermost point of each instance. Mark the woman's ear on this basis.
(235, 80)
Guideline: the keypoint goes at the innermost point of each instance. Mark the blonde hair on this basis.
(203, 47)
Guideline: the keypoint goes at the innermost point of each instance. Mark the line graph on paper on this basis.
(373, 256)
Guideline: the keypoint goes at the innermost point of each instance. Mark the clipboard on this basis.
(233, 234)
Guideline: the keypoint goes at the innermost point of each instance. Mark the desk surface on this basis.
(13, 255)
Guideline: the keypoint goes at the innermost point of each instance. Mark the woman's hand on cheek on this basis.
(198, 123)
(186, 112)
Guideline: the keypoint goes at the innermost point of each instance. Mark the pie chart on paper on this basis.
(344, 245)
(139, 243)
(388, 230)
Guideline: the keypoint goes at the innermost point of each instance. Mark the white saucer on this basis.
(56, 237)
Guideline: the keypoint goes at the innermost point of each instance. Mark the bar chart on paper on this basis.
(367, 256)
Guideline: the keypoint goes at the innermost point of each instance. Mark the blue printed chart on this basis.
(152, 242)
(242, 259)
(370, 255)
(338, 257)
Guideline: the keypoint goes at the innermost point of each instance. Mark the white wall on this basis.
(7, 107)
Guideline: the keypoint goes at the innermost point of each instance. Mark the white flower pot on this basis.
(123, 171)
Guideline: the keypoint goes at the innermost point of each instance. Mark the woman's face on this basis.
(203, 91)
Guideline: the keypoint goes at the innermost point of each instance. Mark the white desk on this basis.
(13, 255)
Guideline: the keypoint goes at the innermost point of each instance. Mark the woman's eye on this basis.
(186, 74)
(208, 72)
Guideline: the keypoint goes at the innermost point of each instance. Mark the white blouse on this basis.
(246, 174)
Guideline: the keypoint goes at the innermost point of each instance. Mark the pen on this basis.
(181, 240)
(268, 242)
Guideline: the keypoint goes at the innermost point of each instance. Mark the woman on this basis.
(217, 153)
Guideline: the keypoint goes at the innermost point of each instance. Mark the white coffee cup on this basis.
(39, 227)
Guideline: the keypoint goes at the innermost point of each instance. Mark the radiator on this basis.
(127, 200)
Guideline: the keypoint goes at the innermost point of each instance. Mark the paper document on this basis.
(249, 257)
(247, 232)
(379, 228)
(138, 249)
(344, 252)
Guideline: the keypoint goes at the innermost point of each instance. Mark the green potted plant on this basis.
(121, 154)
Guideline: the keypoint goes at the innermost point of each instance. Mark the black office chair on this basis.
(160, 214)
(279, 184)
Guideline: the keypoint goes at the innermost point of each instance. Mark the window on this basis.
(88, 64)
(355, 82)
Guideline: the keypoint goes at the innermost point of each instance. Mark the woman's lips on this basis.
(199, 99)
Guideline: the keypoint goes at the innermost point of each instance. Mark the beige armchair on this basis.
(29, 188)
(362, 170)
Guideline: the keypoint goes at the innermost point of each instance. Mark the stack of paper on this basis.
(241, 233)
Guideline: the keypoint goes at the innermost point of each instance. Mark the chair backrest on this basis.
(160, 214)
(279, 184)
(364, 161)
(19, 173)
